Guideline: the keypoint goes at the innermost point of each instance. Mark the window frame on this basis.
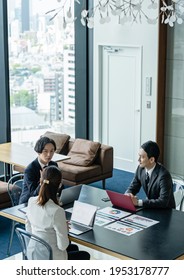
(5, 125)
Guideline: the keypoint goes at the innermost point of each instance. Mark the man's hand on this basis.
(134, 199)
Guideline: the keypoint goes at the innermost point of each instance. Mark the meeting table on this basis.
(161, 241)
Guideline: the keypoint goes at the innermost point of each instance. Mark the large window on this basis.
(174, 102)
(41, 69)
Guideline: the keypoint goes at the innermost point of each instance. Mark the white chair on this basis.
(178, 186)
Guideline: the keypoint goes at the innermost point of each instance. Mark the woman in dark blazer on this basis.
(45, 148)
(154, 178)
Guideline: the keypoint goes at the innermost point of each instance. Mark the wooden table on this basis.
(20, 155)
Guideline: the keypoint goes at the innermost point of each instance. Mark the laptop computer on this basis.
(69, 195)
(122, 201)
(83, 217)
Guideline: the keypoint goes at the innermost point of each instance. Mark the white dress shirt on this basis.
(41, 164)
(150, 171)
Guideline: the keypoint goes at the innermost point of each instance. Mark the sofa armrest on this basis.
(18, 168)
(105, 158)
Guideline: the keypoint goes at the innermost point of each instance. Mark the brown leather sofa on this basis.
(89, 161)
(100, 169)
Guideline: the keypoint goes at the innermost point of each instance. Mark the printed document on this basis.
(131, 224)
(109, 214)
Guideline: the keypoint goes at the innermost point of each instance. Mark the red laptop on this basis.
(122, 201)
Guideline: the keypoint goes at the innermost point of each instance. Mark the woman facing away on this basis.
(45, 148)
(47, 220)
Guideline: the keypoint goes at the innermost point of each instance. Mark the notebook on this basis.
(122, 201)
(69, 194)
(83, 217)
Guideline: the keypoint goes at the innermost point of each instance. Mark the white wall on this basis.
(144, 35)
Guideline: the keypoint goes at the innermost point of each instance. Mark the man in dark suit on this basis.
(154, 178)
(45, 148)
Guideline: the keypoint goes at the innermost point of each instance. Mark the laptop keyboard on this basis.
(79, 227)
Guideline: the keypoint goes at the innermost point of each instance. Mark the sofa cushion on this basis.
(83, 152)
(78, 174)
(60, 139)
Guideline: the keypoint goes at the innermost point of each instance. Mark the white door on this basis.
(120, 103)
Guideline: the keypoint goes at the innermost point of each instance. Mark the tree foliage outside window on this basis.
(22, 98)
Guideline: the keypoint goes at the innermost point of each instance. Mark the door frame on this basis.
(137, 106)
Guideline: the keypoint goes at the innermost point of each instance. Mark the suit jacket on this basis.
(49, 223)
(31, 184)
(160, 189)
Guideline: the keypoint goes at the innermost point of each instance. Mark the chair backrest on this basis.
(14, 188)
(182, 204)
(33, 247)
(178, 187)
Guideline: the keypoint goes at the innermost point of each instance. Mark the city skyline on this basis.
(34, 57)
(37, 6)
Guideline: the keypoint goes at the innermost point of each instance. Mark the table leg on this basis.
(8, 171)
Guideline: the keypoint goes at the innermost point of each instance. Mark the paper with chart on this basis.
(131, 224)
(139, 221)
(107, 215)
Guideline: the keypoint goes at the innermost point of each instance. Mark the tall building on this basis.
(69, 81)
(25, 15)
(54, 85)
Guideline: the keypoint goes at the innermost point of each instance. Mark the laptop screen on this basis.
(83, 213)
(69, 194)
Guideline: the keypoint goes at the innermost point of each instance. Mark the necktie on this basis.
(147, 178)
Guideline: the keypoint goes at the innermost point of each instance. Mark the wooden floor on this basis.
(95, 255)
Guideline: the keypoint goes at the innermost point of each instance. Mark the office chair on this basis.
(14, 188)
(33, 247)
(178, 187)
